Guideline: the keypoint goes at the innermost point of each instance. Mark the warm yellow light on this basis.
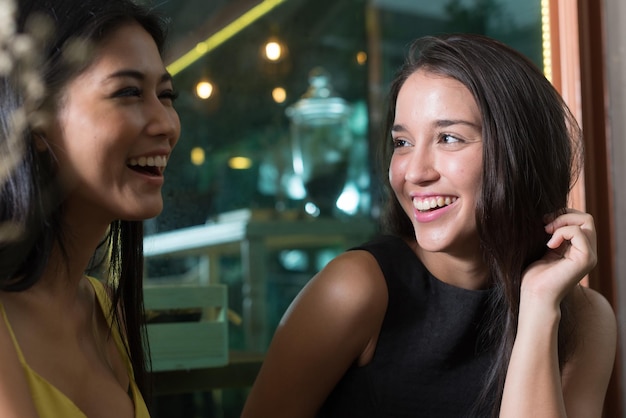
(240, 163)
(197, 156)
(279, 95)
(546, 39)
(361, 57)
(222, 35)
(204, 89)
(273, 51)
(202, 48)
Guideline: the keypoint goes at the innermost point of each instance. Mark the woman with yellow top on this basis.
(92, 151)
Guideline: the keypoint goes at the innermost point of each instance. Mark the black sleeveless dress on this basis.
(429, 361)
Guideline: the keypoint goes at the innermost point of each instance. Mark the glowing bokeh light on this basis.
(240, 163)
(197, 156)
(361, 57)
(204, 90)
(279, 95)
(273, 51)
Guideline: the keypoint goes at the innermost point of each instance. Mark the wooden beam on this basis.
(598, 178)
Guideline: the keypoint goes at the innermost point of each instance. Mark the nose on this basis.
(421, 166)
(162, 120)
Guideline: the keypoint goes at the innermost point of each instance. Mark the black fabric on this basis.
(428, 360)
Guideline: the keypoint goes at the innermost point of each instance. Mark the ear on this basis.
(41, 143)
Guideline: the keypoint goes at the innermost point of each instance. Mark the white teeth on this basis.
(424, 205)
(156, 161)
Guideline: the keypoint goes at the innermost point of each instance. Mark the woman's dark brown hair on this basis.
(30, 196)
(531, 156)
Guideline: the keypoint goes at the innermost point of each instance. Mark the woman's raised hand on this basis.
(571, 255)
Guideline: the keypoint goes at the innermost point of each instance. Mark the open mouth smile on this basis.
(432, 203)
(152, 165)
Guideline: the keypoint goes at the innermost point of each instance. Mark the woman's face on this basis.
(436, 166)
(115, 130)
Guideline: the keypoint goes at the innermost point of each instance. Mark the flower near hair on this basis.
(20, 67)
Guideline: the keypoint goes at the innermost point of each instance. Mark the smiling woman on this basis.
(71, 345)
(466, 307)
(123, 100)
(436, 167)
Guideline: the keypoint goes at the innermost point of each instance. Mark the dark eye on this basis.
(399, 142)
(449, 139)
(170, 95)
(128, 92)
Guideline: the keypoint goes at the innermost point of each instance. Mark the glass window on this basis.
(281, 105)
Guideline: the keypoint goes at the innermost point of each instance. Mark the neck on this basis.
(465, 271)
(66, 267)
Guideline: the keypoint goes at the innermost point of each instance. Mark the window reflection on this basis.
(359, 43)
(236, 151)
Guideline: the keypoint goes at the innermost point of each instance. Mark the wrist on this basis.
(538, 312)
(540, 297)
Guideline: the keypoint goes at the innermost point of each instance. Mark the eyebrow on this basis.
(138, 75)
(444, 123)
(441, 123)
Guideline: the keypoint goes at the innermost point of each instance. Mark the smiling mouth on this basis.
(433, 203)
(152, 166)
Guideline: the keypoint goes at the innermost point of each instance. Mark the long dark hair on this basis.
(30, 196)
(531, 156)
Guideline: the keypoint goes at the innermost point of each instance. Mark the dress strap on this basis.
(15, 343)
(105, 305)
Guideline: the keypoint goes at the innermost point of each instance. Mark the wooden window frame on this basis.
(579, 73)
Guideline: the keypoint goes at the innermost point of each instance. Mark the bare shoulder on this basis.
(354, 279)
(330, 324)
(587, 373)
(596, 329)
(594, 315)
(350, 291)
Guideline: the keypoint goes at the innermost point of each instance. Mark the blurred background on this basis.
(282, 105)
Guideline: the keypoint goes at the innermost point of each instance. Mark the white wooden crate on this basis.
(191, 344)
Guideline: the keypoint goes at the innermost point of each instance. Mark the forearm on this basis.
(533, 382)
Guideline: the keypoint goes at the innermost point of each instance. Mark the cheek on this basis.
(475, 176)
(396, 173)
(467, 170)
(472, 178)
(176, 123)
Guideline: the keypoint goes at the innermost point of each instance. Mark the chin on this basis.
(142, 215)
(432, 247)
(150, 215)
(459, 244)
(433, 242)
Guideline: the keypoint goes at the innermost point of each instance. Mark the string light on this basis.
(197, 156)
(546, 39)
(279, 95)
(240, 163)
(204, 89)
(361, 57)
(273, 51)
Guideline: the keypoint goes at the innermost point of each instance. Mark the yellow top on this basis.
(51, 402)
